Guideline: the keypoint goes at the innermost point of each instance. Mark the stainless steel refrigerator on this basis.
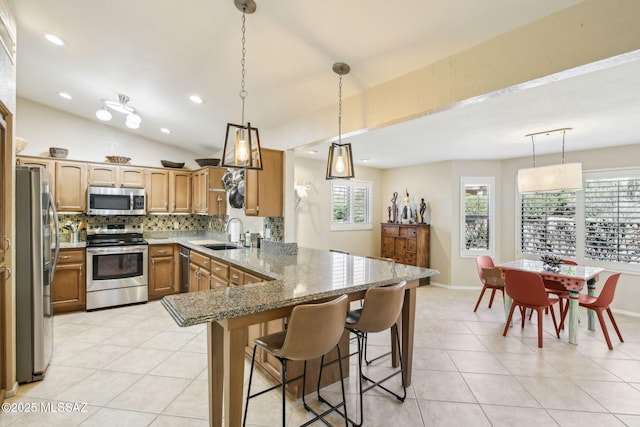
(37, 244)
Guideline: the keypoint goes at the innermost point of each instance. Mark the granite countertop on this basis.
(308, 275)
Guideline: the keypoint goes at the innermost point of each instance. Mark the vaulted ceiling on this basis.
(159, 52)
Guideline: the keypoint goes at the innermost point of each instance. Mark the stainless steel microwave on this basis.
(116, 201)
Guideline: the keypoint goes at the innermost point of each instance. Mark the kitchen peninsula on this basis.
(307, 276)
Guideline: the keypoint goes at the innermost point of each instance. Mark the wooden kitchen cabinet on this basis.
(163, 274)
(71, 186)
(406, 244)
(209, 195)
(263, 189)
(180, 191)
(69, 281)
(157, 185)
(48, 164)
(112, 175)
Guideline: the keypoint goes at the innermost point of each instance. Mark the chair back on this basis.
(483, 261)
(608, 291)
(493, 276)
(314, 329)
(381, 308)
(526, 287)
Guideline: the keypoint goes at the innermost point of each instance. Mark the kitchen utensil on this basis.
(236, 200)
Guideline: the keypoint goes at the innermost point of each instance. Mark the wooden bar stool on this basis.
(380, 311)
(313, 331)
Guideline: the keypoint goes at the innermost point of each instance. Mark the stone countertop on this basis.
(77, 245)
(309, 275)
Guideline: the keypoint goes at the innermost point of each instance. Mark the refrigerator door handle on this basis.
(52, 207)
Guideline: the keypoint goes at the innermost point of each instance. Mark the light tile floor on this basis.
(133, 366)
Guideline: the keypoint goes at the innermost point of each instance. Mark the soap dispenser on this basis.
(247, 239)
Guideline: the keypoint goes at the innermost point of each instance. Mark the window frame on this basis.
(488, 181)
(350, 225)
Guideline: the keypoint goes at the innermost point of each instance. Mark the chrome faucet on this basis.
(226, 227)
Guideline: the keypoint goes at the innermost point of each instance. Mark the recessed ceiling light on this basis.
(365, 160)
(165, 130)
(312, 151)
(196, 99)
(65, 95)
(54, 39)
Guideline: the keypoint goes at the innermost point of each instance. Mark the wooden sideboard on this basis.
(406, 244)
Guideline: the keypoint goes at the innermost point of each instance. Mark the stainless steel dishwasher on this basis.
(185, 253)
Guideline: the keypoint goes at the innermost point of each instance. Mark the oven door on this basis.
(116, 267)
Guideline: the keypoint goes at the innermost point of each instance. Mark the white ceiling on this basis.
(159, 52)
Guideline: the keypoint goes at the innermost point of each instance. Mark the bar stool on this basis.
(393, 269)
(381, 311)
(313, 330)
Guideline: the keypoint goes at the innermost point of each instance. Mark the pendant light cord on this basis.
(533, 143)
(243, 92)
(340, 111)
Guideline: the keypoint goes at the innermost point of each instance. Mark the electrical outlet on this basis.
(176, 225)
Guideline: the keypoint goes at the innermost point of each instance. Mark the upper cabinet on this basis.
(209, 195)
(180, 191)
(48, 164)
(263, 190)
(157, 190)
(106, 175)
(71, 186)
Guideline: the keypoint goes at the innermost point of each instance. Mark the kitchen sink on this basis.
(222, 246)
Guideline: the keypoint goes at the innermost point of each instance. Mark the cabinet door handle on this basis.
(153, 263)
(8, 241)
(163, 251)
(7, 270)
(64, 256)
(235, 276)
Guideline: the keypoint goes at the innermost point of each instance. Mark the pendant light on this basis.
(242, 142)
(340, 162)
(562, 177)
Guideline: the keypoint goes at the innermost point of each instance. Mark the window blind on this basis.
(351, 204)
(612, 219)
(548, 223)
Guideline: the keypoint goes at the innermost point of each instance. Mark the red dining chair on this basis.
(601, 303)
(526, 289)
(483, 262)
(556, 288)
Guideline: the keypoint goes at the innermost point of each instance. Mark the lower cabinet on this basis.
(69, 282)
(163, 274)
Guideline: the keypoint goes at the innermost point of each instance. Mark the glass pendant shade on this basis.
(340, 162)
(242, 147)
(563, 177)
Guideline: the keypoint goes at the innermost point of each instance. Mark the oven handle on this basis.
(118, 249)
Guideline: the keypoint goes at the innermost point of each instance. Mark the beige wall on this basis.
(312, 218)
(89, 140)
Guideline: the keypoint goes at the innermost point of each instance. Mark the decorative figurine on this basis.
(394, 206)
(423, 208)
(406, 210)
(389, 210)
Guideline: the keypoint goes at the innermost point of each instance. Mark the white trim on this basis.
(489, 181)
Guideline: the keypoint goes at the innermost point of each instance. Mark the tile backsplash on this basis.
(152, 223)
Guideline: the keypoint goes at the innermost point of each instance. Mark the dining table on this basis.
(306, 276)
(573, 277)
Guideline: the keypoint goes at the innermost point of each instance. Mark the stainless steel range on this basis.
(117, 271)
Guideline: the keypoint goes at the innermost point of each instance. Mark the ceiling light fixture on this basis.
(54, 39)
(65, 95)
(165, 130)
(196, 99)
(340, 162)
(132, 121)
(562, 177)
(242, 142)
